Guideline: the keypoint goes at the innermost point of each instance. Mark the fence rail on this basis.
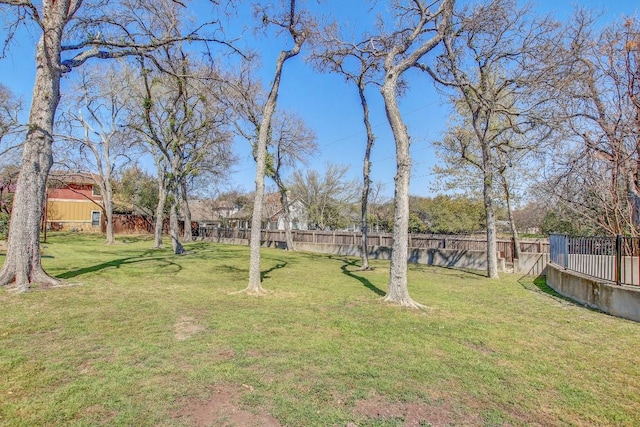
(613, 259)
(427, 241)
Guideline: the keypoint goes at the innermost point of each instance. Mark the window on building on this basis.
(95, 190)
(95, 218)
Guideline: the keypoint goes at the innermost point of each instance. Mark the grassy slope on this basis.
(145, 331)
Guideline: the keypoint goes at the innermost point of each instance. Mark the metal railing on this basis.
(613, 259)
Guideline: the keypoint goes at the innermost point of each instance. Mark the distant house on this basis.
(214, 213)
(274, 214)
(224, 214)
(73, 202)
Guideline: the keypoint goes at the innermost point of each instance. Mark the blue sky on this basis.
(329, 105)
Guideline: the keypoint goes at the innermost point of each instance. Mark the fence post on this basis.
(566, 251)
(618, 260)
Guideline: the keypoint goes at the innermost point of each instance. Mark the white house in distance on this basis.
(297, 216)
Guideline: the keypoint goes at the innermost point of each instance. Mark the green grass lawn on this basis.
(141, 337)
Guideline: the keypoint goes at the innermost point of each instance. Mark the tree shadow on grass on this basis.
(462, 273)
(265, 274)
(365, 282)
(116, 263)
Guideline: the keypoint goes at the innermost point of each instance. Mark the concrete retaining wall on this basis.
(531, 264)
(620, 301)
(439, 257)
(476, 260)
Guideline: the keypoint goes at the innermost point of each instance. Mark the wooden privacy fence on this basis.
(354, 238)
(139, 224)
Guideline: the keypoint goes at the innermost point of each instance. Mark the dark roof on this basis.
(64, 177)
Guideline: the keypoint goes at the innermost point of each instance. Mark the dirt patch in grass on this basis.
(223, 409)
(186, 327)
(224, 354)
(414, 414)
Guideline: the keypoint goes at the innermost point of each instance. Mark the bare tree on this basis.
(72, 32)
(10, 126)
(293, 22)
(418, 27)
(102, 143)
(599, 112)
(460, 167)
(162, 183)
(513, 170)
(495, 62)
(292, 144)
(359, 67)
(326, 197)
(186, 127)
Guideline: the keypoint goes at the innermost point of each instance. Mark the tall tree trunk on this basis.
(514, 231)
(286, 214)
(255, 285)
(187, 234)
(255, 279)
(22, 264)
(398, 290)
(162, 200)
(366, 177)
(174, 228)
(492, 246)
(512, 221)
(107, 200)
(106, 189)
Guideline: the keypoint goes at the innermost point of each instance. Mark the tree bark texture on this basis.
(396, 61)
(398, 290)
(255, 285)
(173, 193)
(187, 235)
(105, 170)
(22, 264)
(162, 200)
(255, 279)
(174, 228)
(492, 246)
(366, 177)
(107, 200)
